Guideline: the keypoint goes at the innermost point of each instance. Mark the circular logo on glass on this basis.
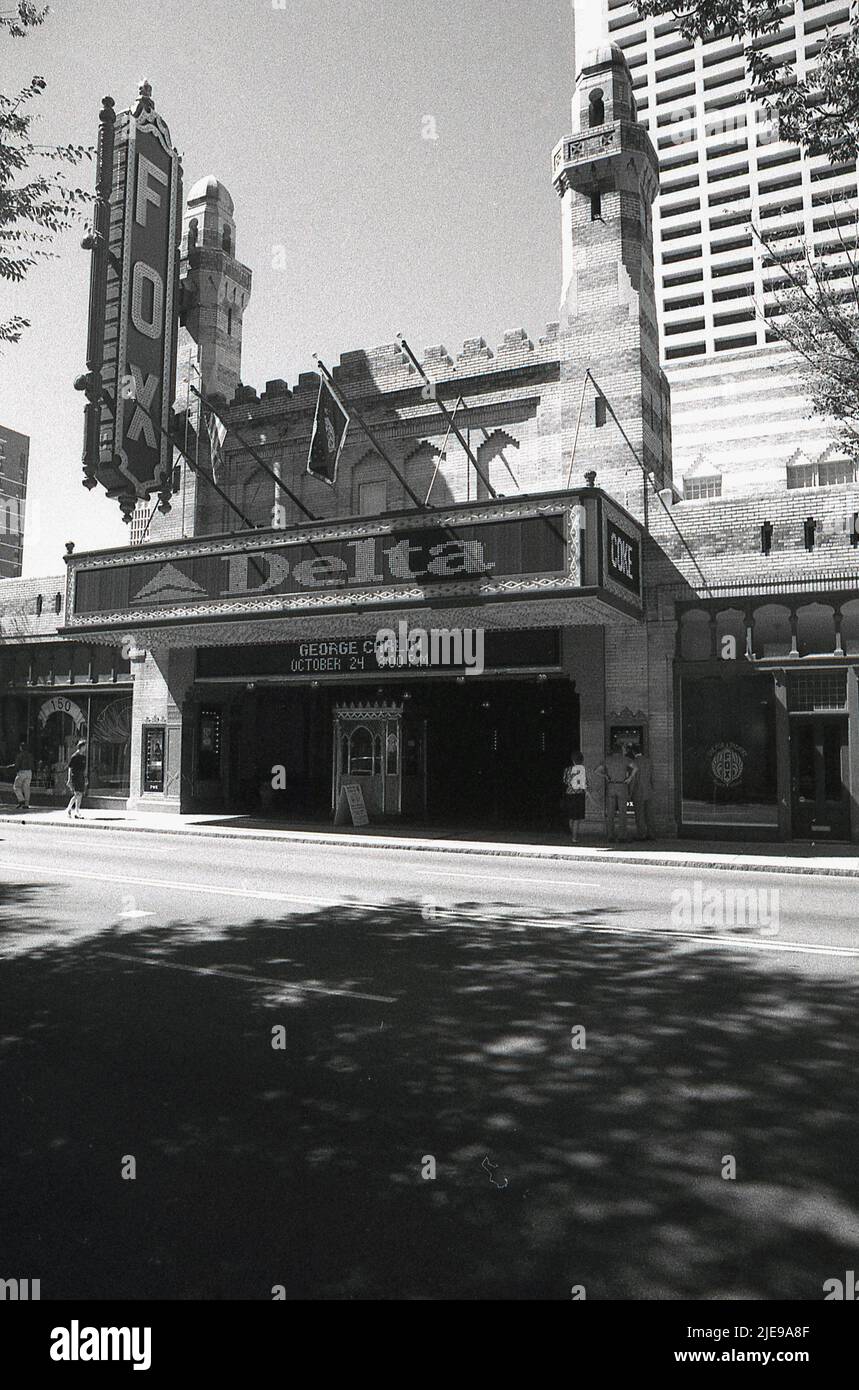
(727, 762)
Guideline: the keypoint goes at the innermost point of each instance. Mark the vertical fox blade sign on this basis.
(134, 306)
(329, 433)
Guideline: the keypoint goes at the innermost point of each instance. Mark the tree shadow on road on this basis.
(405, 1039)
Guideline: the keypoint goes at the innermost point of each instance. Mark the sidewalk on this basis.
(840, 861)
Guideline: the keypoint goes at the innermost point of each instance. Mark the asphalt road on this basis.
(628, 1078)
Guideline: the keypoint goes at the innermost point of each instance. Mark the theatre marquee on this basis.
(550, 545)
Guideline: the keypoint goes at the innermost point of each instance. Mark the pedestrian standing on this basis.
(641, 792)
(618, 771)
(575, 791)
(76, 780)
(24, 764)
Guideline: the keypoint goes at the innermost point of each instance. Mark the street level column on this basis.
(162, 681)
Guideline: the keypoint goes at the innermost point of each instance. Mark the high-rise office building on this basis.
(741, 419)
(14, 457)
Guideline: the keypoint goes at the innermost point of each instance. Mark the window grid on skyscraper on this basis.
(721, 168)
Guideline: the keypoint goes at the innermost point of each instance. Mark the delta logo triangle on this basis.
(169, 585)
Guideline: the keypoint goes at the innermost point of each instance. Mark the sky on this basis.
(314, 114)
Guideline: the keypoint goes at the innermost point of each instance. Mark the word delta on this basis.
(438, 647)
(368, 563)
(78, 1343)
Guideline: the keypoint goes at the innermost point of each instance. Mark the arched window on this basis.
(496, 457)
(229, 322)
(596, 108)
(39, 606)
(58, 603)
(362, 752)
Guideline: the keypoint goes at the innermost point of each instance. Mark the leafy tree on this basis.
(815, 311)
(36, 202)
(821, 113)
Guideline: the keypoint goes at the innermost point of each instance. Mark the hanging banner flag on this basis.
(217, 432)
(329, 433)
(134, 311)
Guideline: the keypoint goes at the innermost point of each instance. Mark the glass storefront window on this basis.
(729, 751)
(110, 746)
(52, 725)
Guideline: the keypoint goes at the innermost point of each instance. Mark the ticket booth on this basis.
(368, 751)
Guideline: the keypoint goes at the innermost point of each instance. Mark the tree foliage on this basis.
(814, 310)
(36, 201)
(819, 113)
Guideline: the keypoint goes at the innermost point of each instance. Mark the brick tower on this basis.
(217, 289)
(607, 176)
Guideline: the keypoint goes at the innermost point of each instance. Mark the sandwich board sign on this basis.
(351, 804)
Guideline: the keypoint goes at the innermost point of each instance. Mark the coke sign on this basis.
(134, 291)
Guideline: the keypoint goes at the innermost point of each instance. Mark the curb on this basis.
(550, 853)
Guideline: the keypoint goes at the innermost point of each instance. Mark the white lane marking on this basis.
(671, 935)
(166, 883)
(447, 873)
(250, 979)
(259, 893)
(441, 872)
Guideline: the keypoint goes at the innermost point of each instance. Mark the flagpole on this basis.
(443, 454)
(196, 366)
(446, 413)
(323, 371)
(255, 456)
(178, 447)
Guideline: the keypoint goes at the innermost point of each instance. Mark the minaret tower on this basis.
(216, 287)
(607, 176)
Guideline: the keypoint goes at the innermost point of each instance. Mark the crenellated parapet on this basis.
(369, 372)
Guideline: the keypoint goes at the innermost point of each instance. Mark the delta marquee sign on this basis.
(133, 310)
(550, 545)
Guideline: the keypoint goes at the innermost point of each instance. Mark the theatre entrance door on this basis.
(819, 777)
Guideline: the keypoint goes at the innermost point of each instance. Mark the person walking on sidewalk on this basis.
(77, 780)
(575, 791)
(641, 792)
(618, 771)
(24, 764)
